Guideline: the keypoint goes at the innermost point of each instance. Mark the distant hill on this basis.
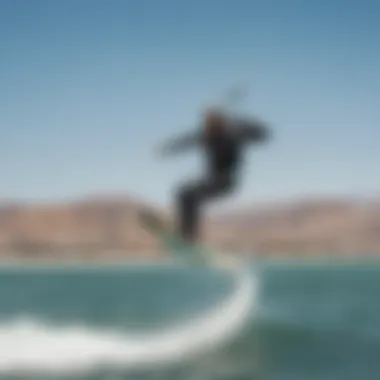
(101, 227)
(334, 226)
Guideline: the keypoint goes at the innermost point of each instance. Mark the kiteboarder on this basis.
(223, 140)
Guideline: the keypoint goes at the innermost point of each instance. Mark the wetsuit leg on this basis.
(190, 200)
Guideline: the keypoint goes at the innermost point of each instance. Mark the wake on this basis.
(29, 346)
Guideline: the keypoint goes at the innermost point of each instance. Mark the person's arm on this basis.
(179, 144)
(253, 131)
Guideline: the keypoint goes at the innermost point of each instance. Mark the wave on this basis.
(30, 345)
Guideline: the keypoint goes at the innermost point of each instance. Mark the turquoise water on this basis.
(314, 322)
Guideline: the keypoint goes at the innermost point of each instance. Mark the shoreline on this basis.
(159, 262)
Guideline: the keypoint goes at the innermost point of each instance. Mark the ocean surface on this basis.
(302, 321)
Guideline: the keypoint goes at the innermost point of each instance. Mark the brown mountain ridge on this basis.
(101, 227)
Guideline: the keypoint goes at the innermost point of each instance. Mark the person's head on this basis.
(214, 122)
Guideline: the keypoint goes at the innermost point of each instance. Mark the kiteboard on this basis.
(193, 254)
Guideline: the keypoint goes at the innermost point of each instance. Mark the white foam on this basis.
(32, 346)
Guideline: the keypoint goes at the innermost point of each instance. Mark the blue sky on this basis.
(88, 88)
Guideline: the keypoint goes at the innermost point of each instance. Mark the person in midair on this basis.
(223, 140)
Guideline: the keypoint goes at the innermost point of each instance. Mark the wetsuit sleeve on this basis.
(181, 143)
(253, 131)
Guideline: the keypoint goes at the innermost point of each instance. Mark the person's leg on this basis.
(190, 200)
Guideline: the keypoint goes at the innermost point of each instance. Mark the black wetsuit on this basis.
(224, 156)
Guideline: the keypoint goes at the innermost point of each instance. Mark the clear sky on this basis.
(89, 87)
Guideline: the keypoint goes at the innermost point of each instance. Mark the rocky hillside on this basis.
(330, 226)
(99, 227)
